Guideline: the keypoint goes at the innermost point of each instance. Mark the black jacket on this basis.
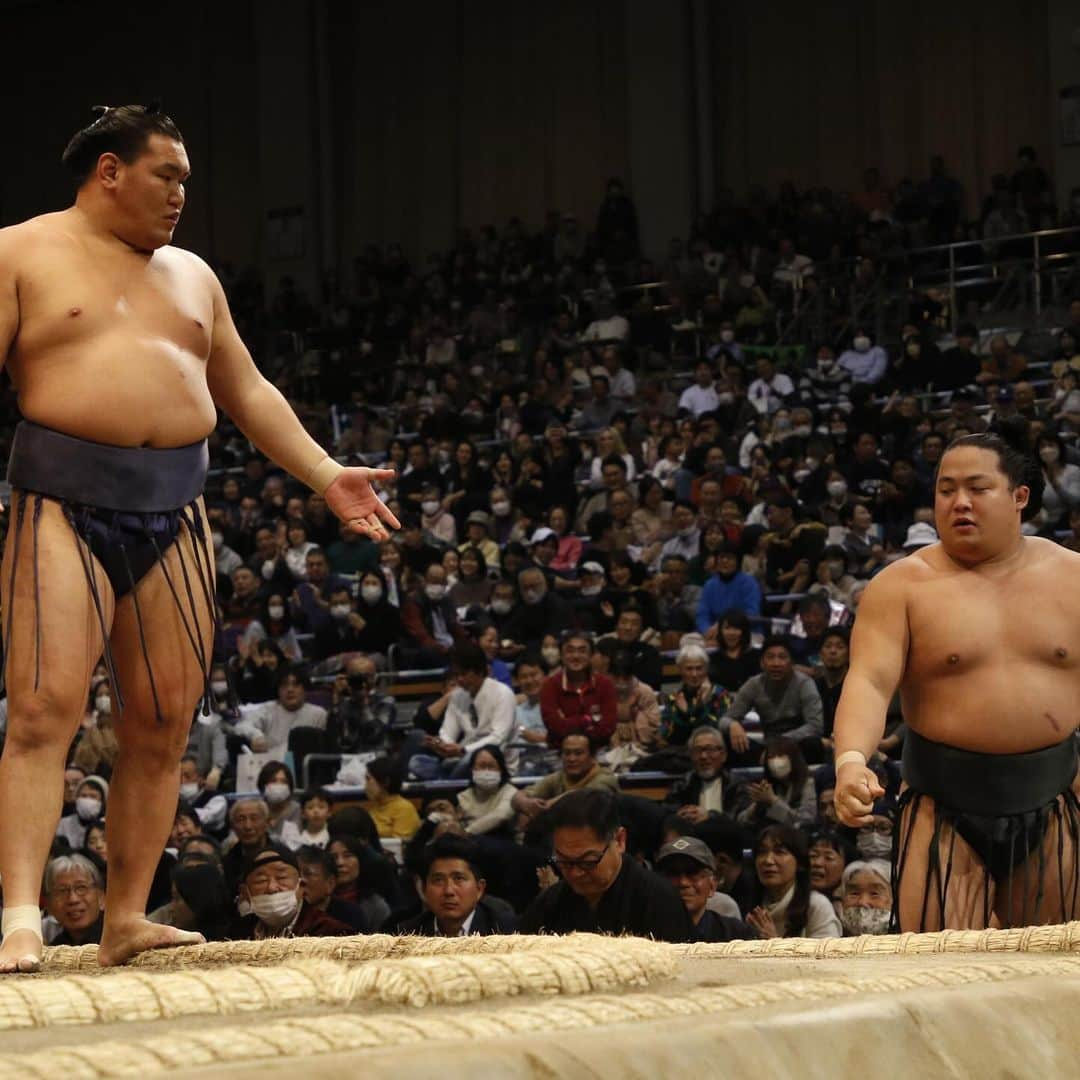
(638, 902)
(488, 919)
(687, 790)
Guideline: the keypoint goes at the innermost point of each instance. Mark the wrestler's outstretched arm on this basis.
(259, 410)
(879, 647)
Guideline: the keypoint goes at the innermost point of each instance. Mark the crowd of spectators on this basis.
(633, 541)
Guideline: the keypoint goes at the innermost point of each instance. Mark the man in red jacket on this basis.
(574, 700)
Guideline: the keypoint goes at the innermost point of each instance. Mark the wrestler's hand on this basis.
(856, 789)
(353, 500)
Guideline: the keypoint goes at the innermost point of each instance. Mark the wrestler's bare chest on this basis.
(113, 348)
(999, 657)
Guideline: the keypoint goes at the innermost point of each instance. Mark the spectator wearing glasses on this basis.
(74, 896)
(690, 867)
(602, 891)
(708, 789)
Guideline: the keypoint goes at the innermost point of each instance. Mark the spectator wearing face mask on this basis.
(378, 622)
(226, 560)
(833, 580)
(91, 798)
(875, 839)
(786, 792)
(268, 562)
(486, 804)
(271, 891)
(275, 784)
(273, 624)
(864, 361)
(98, 749)
(866, 907)
(430, 623)
(435, 519)
(211, 808)
(206, 740)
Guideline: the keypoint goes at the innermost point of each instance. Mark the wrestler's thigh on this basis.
(64, 624)
(1055, 875)
(918, 899)
(178, 677)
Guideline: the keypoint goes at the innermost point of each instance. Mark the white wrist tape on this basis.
(323, 474)
(850, 755)
(22, 917)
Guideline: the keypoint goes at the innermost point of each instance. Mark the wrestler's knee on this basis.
(41, 722)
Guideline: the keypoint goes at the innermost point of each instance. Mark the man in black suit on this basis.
(453, 890)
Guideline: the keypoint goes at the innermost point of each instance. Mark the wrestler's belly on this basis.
(124, 392)
(1001, 708)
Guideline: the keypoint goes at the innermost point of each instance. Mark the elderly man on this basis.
(579, 771)
(249, 817)
(708, 789)
(74, 897)
(539, 613)
(602, 890)
(866, 889)
(270, 887)
(690, 867)
(268, 724)
(430, 622)
(453, 893)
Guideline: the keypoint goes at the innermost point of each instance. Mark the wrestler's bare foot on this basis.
(123, 939)
(20, 952)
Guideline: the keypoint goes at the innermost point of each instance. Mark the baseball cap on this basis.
(592, 568)
(920, 534)
(268, 855)
(687, 847)
(541, 535)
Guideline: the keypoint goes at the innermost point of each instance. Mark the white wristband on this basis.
(323, 474)
(850, 755)
(21, 917)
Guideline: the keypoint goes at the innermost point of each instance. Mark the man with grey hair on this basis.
(249, 817)
(866, 897)
(74, 895)
(708, 789)
(540, 612)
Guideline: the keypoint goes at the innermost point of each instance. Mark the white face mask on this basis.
(1049, 454)
(219, 541)
(277, 793)
(533, 596)
(103, 704)
(276, 611)
(430, 507)
(873, 845)
(87, 807)
(591, 590)
(861, 343)
(865, 920)
(219, 687)
(826, 363)
(780, 767)
(551, 656)
(836, 488)
(276, 909)
(340, 611)
(435, 592)
(268, 569)
(372, 594)
(500, 509)
(486, 779)
(501, 607)
(189, 791)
